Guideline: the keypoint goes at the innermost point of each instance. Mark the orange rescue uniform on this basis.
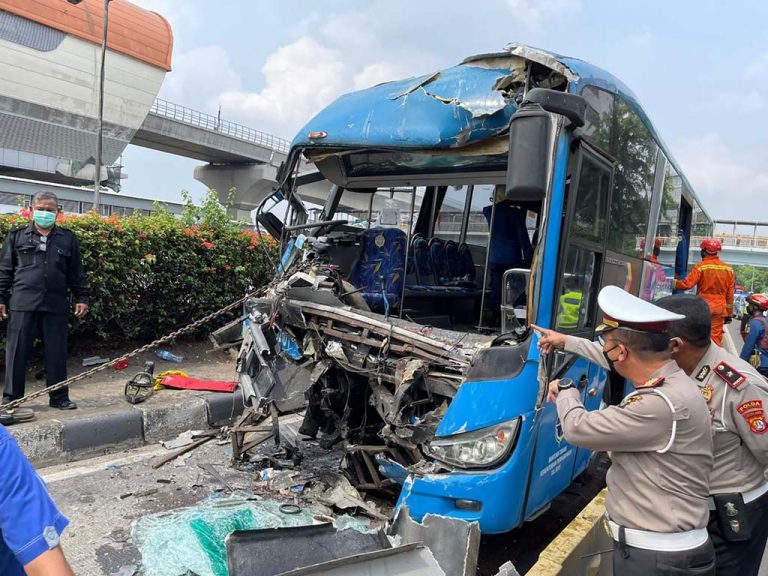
(715, 283)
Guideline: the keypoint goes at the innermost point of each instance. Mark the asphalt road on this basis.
(104, 496)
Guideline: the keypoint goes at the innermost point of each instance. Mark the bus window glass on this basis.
(669, 215)
(702, 227)
(391, 207)
(573, 301)
(477, 226)
(632, 182)
(591, 199)
(599, 126)
(449, 218)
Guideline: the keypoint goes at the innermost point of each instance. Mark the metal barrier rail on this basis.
(727, 240)
(214, 124)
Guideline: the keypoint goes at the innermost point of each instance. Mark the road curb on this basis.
(223, 408)
(48, 442)
(163, 422)
(96, 433)
(42, 442)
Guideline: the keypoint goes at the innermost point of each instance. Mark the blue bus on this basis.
(424, 225)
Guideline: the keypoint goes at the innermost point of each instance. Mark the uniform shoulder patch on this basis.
(730, 375)
(631, 400)
(752, 412)
(703, 373)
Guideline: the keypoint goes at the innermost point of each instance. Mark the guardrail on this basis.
(727, 240)
(199, 119)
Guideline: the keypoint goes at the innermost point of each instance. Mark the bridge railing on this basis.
(727, 240)
(215, 124)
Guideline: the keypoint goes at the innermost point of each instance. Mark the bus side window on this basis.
(574, 299)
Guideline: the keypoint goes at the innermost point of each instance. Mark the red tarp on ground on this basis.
(187, 383)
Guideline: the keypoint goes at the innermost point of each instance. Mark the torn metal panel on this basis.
(409, 560)
(446, 109)
(455, 543)
(414, 112)
(547, 59)
(275, 551)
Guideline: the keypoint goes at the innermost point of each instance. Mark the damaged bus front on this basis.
(463, 206)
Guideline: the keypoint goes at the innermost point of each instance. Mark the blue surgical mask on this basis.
(44, 219)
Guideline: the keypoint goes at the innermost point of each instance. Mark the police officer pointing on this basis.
(737, 397)
(39, 265)
(659, 440)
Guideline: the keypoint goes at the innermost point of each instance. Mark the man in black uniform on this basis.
(39, 264)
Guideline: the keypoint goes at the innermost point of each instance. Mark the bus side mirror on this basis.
(572, 106)
(530, 131)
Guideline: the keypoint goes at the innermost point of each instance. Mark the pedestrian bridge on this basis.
(744, 243)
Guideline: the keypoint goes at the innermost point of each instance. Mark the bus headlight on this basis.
(477, 449)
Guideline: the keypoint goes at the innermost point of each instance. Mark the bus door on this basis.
(575, 312)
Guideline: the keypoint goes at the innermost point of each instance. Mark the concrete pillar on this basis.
(252, 182)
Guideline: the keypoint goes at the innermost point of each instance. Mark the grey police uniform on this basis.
(661, 449)
(737, 397)
(660, 443)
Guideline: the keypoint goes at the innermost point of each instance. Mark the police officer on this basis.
(756, 331)
(659, 440)
(737, 397)
(39, 264)
(716, 283)
(30, 523)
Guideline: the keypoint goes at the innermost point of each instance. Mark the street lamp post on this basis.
(100, 121)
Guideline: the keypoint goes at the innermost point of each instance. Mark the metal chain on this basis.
(88, 373)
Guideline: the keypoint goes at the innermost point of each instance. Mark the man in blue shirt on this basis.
(30, 523)
(758, 325)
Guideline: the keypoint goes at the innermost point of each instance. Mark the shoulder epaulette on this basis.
(703, 373)
(654, 382)
(730, 375)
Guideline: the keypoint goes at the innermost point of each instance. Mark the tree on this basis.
(752, 278)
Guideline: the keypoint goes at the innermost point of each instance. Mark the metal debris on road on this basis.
(95, 361)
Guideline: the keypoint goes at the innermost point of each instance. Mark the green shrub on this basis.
(152, 274)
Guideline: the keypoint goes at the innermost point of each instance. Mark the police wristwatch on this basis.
(565, 384)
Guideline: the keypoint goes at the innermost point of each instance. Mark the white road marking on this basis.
(77, 469)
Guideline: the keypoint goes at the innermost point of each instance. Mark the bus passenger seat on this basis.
(380, 268)
(437, 260)
(440, 266)
(465, 263)
(452, 259)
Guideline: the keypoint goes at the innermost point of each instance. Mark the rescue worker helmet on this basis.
(711, 246)
(760, 301)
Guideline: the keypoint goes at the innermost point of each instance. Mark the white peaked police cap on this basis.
(623, 310)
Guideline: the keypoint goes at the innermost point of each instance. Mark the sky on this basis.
(698, 67)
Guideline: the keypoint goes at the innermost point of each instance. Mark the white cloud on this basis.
(757, 68)
(199, 76)
(376, 74)
(300, 79)
(731, 185)
(533, 13)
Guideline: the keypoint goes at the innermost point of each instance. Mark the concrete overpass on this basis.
(743, 243)
(236, 156)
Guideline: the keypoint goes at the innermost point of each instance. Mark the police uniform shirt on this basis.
(30, 523)
(40, 269)
(653, 484)
(737, 397)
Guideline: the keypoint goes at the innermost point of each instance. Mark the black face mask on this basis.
(610, 361)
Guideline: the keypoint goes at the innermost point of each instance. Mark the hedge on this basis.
(152, 274)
